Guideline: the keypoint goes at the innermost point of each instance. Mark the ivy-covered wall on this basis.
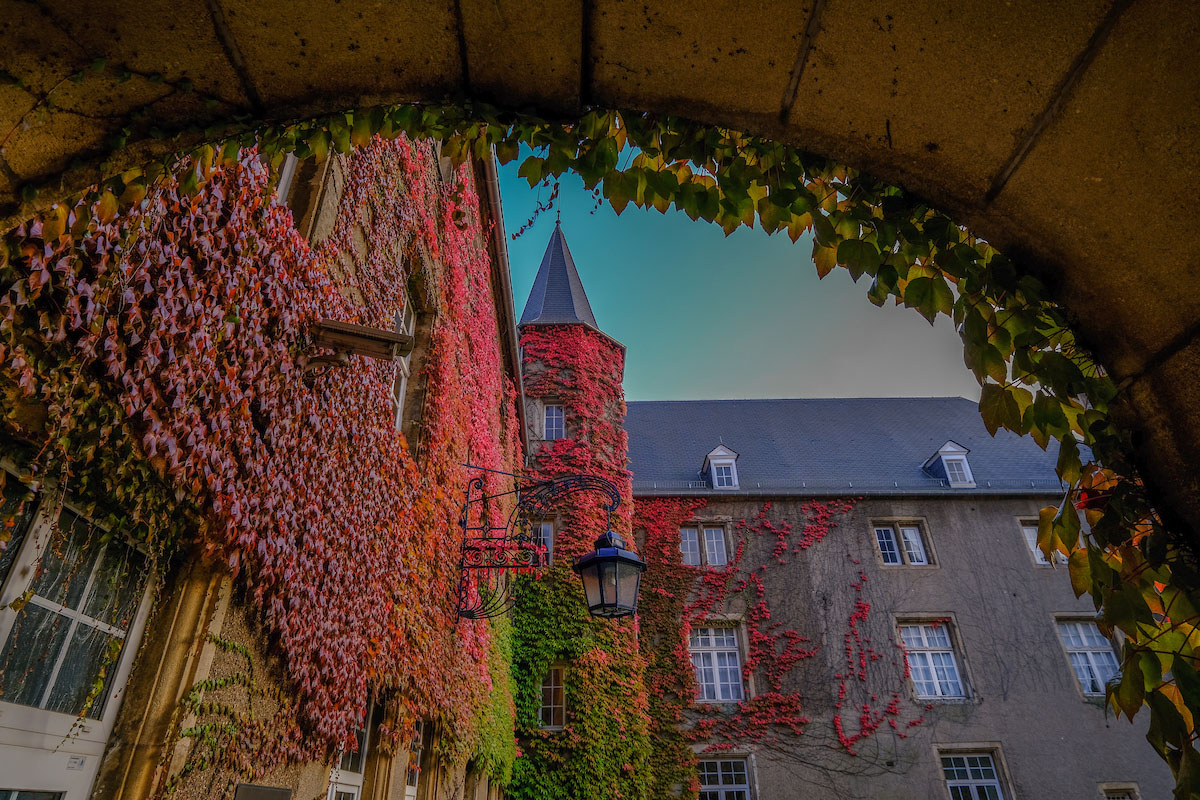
(155, 373)
(603, 749)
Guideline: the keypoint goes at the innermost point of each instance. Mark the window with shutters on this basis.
(554, 424)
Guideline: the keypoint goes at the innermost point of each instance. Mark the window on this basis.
(689, 546)
(714, 547)
(905, 547)
(714, 554)
(717, 662)
(931, 662)
(555, 424)
(72, 631)
(723, 476)
(972, 776)
(1091, 655)
(347, 780)
(723, 779)
(543, 536)
(412, 775)
(406, 322)
(1030, 529)
(1119, 792)
(554, 706)
(957, 471)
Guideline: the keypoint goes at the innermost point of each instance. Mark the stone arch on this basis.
(1065, 133)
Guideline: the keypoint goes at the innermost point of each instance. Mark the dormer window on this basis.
(950, 464)
(721, 466)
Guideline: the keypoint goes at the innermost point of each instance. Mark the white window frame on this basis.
(544, 532)
(560, 428)
(905, 542)
(44, 748)
(1091, 651)
(933, 664)
(973, 761)
(1029, 530)
(716, 655)
(716, 550)
(963, 482)
(689, 546)
(344, 781)
(725, 772)
(716, 465)
(406, 323)
(1119, 791)
(556, 677)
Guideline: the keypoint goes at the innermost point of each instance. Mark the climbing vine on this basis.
(1036, 377)
(152, 351)
(678, 597)
(602, 749)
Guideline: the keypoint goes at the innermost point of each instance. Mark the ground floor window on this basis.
(724, 779)
(972, 776)
(412, 776)
(347, 783)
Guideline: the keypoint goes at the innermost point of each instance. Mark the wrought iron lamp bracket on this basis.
(490, 550)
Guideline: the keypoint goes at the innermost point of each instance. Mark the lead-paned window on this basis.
(555, 426)
(70, 633)
(716, 659)
(723, 779)
(1091, 655)
(932, 665)
(554, 706)
(972, 776)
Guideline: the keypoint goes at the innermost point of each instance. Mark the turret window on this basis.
(555, 426)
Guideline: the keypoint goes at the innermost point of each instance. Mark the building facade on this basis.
(226, 570)
(844, 599)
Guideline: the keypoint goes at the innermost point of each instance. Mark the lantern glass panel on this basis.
(627, 584)
(591, 584)
(608, 583)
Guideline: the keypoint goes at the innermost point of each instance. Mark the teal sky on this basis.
(705, 316)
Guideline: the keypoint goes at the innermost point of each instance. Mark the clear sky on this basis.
(705, 316)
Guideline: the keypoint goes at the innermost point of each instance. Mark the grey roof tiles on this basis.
(836, 446)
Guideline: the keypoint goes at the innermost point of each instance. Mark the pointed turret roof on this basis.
(557, 296)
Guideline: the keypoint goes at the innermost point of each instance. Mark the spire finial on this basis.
(558, 210)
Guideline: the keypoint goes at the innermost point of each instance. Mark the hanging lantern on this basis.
(611, 577)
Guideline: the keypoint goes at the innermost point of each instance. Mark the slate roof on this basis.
(557, 296)
(836, 446)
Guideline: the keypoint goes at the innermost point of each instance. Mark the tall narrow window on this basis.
(71, 633)
(406, 322)
(914, 548)
(347, 783)
(717, 662)
(723, 779)
(554, 707)
(555, 424)
(1091, 655)
(714, 547)
(888, 551)
(972, 776)
(689, 546)
(931, 661)
(412, 775)
(543, 536)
